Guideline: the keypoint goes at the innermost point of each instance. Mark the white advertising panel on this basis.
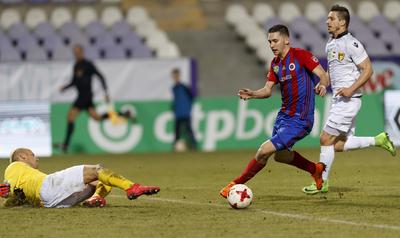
(25, 124)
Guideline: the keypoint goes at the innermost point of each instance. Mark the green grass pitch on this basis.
(364, 199)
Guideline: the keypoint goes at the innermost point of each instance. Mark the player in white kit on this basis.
(349, 68)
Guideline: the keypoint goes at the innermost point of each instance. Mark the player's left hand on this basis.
(345, 92)
(4, 190)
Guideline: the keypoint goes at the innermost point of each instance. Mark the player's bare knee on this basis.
(90, 173)
(263, 153)
(339, 146)
(324, 140)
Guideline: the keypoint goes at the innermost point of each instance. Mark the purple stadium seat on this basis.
(62, 1)
(120, 29)
(17, 30)
(130, 39)
(43, 29)
(397, 23)
(52, 41)
(140, 51)
(25, 42)
(36, 54)
(114, 52)
(95, 29)
(11, 1)
(375, 47)
(395, 49)
(300, 24)
(296, 43)
(71, 34)
(69, 29)
(104, 40)
(38, 1)
(272, 21)
(91, 52)
(62, 53)
(8, 54)
(380, 24)
(80, 39)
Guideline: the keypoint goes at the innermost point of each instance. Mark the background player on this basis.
(292, 68)
(349, 68)
(83, 72)
(182, 107)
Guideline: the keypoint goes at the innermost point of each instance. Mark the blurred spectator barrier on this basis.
(126, 80)
(25, 124)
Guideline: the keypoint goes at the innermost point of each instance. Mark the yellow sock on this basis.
(102, 190)
(110, 178)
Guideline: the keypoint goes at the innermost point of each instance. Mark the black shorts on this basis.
(83, 103)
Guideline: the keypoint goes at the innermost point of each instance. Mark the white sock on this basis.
(355, 142)
(327, 156)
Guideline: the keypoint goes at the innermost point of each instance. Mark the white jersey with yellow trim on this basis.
(344, 53)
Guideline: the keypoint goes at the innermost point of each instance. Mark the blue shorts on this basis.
(288, 130)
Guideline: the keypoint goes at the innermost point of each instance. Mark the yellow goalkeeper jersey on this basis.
(22, 176)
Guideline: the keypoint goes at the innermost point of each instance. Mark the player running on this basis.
(292, 69)
(349, 68)
(83, 72)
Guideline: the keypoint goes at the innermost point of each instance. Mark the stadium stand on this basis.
(54, 29)
(308, 28)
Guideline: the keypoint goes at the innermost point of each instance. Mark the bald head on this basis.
(24, 155)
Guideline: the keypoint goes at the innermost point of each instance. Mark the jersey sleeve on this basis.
(357, 52)
(307, 59)
(271, 76)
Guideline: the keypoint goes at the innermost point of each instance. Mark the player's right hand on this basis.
(320, 90)
(4, 190)
(245, 93)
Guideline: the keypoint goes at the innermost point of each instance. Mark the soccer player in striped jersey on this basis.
(292, 69)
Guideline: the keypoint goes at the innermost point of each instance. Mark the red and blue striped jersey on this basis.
(294, 75)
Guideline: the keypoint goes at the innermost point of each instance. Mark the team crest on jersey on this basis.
(292, 66)
(341, 56)
(355, 44)
(276, 69)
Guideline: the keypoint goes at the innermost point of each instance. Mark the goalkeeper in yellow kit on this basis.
(89, 184)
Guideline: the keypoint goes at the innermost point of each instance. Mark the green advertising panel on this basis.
(219, 124)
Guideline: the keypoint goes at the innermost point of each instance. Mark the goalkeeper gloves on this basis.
(4, 190)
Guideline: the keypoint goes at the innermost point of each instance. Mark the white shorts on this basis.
(342, 115)
(65, 188)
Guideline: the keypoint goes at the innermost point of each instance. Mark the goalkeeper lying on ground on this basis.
(89, 184)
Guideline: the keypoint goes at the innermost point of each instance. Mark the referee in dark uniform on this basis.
(83, 72)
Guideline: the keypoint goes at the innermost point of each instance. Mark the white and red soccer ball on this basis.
(240, 196)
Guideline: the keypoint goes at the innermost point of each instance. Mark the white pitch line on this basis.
(279, 214)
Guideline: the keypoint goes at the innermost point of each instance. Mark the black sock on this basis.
(70, 130)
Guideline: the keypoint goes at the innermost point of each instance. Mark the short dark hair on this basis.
(282, 29)
(342, 13)
(176, 71)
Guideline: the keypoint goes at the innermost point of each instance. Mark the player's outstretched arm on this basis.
(320, 89)
(264, 92)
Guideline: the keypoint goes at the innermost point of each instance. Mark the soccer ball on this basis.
(240, 196)
(180, 146)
